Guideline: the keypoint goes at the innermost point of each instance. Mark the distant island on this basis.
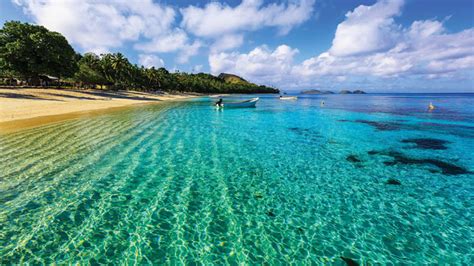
(352, 92)
(316, 92)
(46, 59)
(330, 92)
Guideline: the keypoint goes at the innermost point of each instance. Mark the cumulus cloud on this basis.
(150, 60)
(424, 49)
(188, 51)
(367, 29)
(216, 19)
(261, 64)
(99, 25)
(227, 42)
(174, 41)
(225, 24)
(367, 44)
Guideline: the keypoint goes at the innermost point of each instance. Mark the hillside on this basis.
(233, 79)
(243, 85)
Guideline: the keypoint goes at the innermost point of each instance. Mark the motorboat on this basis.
(288, 97)
(241, 104)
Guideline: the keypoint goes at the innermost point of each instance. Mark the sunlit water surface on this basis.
(287, 181)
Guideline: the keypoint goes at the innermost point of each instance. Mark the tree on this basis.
(117, 69)
(31, 50)
(89, 71)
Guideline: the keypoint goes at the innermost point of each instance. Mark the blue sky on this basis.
(380, 46)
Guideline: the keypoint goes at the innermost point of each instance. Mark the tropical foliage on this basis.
(28, 51)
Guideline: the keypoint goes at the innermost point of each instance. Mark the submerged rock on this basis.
(270, 213)
(428, 143)
(349, 261)
(353, 159)
(392, 181)
(381, 126)
(372, 152)
(307, 133)
(445, 167)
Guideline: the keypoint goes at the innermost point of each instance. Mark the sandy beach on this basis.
(29, 107)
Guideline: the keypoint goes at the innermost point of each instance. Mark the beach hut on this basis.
(47, 80)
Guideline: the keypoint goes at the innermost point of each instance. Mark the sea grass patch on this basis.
(353, 158)
(445, 167)
(427, 143)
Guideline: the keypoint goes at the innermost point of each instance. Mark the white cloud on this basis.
(422, 49)
(99, 25)
(367, 29)
(227, 42)
(217, 19)
(188, 51)
(226, 24)
(260, 65)
(170, 42)
(425, 50)
(150, 60)
(197, 68)
(174, 41)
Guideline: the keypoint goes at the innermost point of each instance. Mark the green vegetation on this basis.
(231, 78)
(28, 52)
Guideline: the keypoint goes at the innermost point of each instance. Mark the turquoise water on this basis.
(286, 182)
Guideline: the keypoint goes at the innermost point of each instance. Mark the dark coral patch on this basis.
(353, 159)
(382, 126)
(446, 168)
(390, 163)
(299, 129)
(428, 143)
(349, 261)
(392, 181)
(372, 152)
(270, 213)
(307, 133)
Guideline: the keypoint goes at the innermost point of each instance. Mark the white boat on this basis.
(243, 104)
(288, 97)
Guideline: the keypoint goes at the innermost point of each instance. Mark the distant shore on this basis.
(30, 107)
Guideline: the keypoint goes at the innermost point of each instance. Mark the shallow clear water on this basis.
(288, 181)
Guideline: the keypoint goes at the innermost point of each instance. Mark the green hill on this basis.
(240, 85)
(233, 79)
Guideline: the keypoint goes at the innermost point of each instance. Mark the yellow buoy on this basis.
(431, 107)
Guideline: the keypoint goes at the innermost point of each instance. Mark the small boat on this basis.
(243, 104)
(288, 97)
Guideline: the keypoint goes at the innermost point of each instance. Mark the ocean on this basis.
(374, 179)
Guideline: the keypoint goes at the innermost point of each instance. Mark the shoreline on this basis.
(24, 108)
